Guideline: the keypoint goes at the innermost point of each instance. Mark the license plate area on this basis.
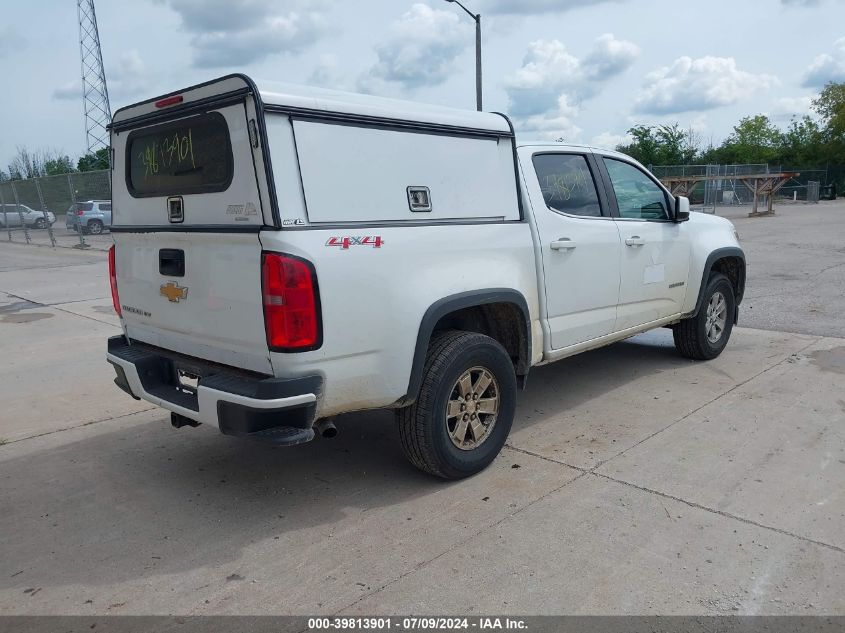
(186, 381)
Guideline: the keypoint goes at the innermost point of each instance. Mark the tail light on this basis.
(291, 303)
(80, 212)
(113, 282)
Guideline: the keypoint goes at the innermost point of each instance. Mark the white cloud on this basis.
(549, 70)
(553, 124)
(129, 78)
(697, 85)
(325, 72)
(524, 7)
(609, 140)
(545, 93)
(826, 67)
(793, 106)
(609, 57)
(421, 49)
(239, 32)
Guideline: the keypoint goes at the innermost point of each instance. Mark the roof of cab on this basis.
(308, 98)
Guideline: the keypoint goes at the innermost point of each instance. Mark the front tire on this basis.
(465, 407)
(704, 336)
(41, 223)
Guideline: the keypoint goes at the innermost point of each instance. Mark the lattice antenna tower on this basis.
(95, 94)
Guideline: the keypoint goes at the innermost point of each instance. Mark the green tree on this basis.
(661, 145)
(93, 162)
(803, 143)
(830, 105)
(755, 139)
(58, 165)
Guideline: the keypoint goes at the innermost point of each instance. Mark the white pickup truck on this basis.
(284, 255)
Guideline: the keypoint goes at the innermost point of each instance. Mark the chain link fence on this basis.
(55, 210)
(724, 188)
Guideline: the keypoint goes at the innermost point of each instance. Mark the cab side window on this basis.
(637, 195)
(567, 184)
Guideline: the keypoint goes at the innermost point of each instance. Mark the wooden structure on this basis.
(759, 185)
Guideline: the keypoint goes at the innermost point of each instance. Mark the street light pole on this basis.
(477, 18)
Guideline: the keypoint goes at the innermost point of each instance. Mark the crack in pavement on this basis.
(591, 472)
(77, 426)
(721, 513)
(457, 545)
(55, 306)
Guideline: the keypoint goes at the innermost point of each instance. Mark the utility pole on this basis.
(477, 18)
(95, 94)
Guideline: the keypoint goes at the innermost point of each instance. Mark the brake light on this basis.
(169, 101)
(113, 282)
(80, 212)
(291, 303)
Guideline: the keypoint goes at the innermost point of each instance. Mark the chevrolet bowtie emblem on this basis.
(173, 291)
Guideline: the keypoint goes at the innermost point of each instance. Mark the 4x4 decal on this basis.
(346, 241)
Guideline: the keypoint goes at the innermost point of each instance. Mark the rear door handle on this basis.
(635, 240)
(563, 244)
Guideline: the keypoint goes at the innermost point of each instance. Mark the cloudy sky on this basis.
(584, 70)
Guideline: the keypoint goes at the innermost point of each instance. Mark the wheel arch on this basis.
(729, 261)
(501, 313)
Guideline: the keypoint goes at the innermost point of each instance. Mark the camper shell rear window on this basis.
(191, 155)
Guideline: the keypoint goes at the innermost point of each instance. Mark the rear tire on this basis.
(95, 227)
(704, 336)
(465, 408)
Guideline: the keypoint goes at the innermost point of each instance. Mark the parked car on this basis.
(396, 256)
(31, 217)
(93, 216)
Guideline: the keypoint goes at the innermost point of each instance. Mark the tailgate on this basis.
(213, 311)
(190, 195)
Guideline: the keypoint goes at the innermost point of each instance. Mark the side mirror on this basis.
(681, 209)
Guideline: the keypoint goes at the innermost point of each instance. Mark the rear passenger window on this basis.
(105, 207)
(567, 184)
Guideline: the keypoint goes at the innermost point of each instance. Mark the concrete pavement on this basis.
(634, 482)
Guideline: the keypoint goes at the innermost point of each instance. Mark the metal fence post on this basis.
(5, 217)
(82, 243)
(20, 213)
(44, 212)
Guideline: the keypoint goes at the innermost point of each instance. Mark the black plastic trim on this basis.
(189, 228)
(515, 165)
(405, 125)
(179, 112)
(203, 84)
(157, 370)
(451, 304)
(720, 253)
(171, 262)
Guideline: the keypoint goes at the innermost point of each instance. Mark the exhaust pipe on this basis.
(326, 428)
(178, 421)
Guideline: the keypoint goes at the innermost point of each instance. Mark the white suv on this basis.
(284, 255)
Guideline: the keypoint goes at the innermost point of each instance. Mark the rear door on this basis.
(579, 244)
(187, 211)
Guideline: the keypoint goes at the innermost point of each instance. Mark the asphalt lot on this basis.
(634, 482)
